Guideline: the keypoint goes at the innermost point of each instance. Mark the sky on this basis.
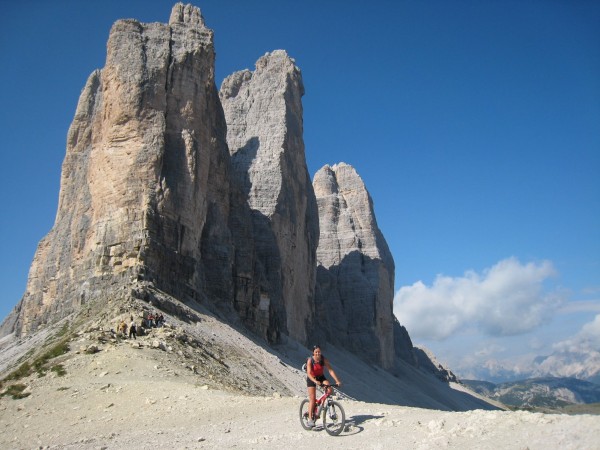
(475, 126)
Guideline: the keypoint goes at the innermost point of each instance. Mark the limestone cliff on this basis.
(145, 177)
(355, 274)
(172, 187)
(263, 110)
(151, 198)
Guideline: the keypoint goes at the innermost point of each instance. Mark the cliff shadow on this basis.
(241, 161)
(348, 305)
(256, 272)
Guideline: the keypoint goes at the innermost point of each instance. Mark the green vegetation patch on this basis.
(59, 370)
(16, 391)
(23, 371)
(586, 408)
(40, 365)
(63, 331)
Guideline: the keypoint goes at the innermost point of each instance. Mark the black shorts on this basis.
(309, 382)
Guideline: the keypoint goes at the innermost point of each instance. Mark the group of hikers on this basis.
(149, 320)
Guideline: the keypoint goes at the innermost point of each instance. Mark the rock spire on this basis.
(355, 273)
(170, 186)
(145, 177)
(263, 110)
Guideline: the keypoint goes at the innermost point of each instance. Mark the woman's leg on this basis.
(312, 400)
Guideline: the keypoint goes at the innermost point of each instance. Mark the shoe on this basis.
(310, 423)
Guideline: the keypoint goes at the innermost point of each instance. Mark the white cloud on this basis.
(535, 343)
(507, 299)
(488, 350)
(580, 306)
(588, 339)
(592, 290)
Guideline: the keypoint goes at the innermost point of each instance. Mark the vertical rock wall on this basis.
(146, 168)
(355, 273)
(263, 110)
(206, 195)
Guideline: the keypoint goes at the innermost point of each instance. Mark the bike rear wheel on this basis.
(334, 418)
(304, 414)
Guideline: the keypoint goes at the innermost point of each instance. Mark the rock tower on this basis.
(355, 273)
(172, 186)
(263, 110)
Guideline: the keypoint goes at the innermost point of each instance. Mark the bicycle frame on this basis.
(323, 397)
(320, 402)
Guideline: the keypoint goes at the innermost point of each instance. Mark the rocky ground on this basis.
(187, 385)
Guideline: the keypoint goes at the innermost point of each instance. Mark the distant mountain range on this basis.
(579, 364)
(547, 392)
(555, 382)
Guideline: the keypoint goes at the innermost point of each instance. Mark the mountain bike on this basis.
(333, 415)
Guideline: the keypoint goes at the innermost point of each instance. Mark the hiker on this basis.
(132, 330)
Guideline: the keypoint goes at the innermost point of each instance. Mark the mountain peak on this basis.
(170, 186)
(186, 14)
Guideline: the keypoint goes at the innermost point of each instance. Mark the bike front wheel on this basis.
(334, 418)
(304, 414)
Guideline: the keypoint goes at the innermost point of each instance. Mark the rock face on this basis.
(151, 198)
(172, 187)
(263, 111)
(145, 178)
(355, 273)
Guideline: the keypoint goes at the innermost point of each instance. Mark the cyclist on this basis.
(314, 375)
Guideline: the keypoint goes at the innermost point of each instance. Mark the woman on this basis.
(314, 375)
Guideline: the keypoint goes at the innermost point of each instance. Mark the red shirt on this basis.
(317, 367)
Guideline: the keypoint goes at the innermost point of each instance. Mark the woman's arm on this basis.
(332, 372)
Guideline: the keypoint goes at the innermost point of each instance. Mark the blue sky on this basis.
(475, 125)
